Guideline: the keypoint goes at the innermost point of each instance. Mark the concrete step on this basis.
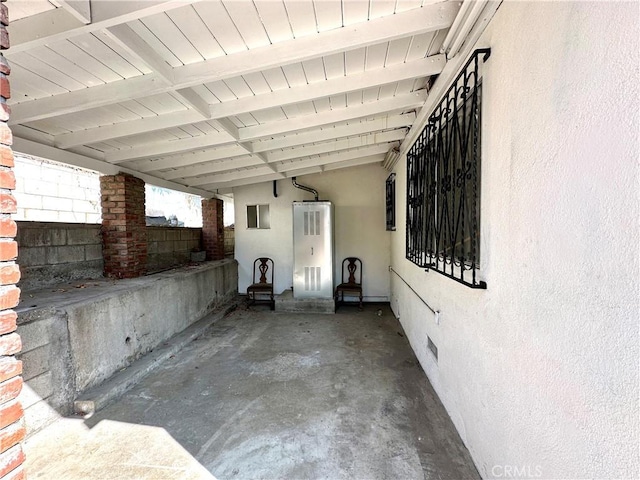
(99, 397)
(285, 302)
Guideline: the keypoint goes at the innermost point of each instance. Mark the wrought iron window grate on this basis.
(443, 182)
(390, 188)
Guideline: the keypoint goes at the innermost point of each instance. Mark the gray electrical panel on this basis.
(312, 250)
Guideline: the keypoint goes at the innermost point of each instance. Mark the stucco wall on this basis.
(359, 203)
(540, 371)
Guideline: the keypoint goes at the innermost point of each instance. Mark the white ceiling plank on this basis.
(335, 157)
(188, 159)
(169, 34)
(192, 26)
(424, 67)
(393, 104)
(328, 14)
(301, 17)
(335, 146)
(44, 151)
(215, 16)
(94, 47)
(46, 71)
(159, 149)
(334, 65)
(212, 167)
(426, 19)
(340, 131)
(58, 24)
(246, 19)
(275, 21)
(124, 129)
(355, 11)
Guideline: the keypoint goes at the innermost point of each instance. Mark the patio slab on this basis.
(265, 394)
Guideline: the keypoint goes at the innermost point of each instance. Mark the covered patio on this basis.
(479, 158)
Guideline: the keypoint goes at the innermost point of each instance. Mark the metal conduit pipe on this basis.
(302, 187)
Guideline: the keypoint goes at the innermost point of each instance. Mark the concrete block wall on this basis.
(54, 253)
(75, 340)
(171, 246)
(48, 191)
(229, 241)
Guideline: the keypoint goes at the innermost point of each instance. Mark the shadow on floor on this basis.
(274, 395)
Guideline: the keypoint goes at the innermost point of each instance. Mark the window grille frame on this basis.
(443, 182)
(390, 194)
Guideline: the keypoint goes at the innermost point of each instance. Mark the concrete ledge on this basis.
(285, 302)
(98, 398)
(79, 334)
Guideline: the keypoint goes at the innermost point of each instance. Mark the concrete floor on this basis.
(269, 395)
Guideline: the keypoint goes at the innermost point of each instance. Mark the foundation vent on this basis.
(432, 348)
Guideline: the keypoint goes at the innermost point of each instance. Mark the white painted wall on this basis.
(358, 196)
(540, 371)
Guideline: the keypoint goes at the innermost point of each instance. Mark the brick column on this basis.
(124, 230)
(12, 428)
(213, 228)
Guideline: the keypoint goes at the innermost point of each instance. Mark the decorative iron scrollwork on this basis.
(443, 182)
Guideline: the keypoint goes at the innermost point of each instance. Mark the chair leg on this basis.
(361, 301)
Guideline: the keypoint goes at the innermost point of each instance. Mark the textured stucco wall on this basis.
(358, 198)
(540, 371)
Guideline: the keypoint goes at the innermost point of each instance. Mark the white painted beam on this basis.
(425, 19)
(187, 159)
(131, 42)
(429, 18)
(212, 167)
(166, 148)
(372, 78)
(124, 129)
(335, 157)
(85, 99)
(56, 25)
(44, 151)
(195, 101)
(81, 9)
(335, 132)
(229, 176)
(225, 186)
(370, 109)
(344, 144)
(354, 163)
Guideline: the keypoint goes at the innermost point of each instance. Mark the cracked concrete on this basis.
(270, 395)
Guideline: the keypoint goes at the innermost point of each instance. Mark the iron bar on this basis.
(443, 182)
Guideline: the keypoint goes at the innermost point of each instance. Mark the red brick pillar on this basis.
(12, 428)
(124, 230)
(213, 228)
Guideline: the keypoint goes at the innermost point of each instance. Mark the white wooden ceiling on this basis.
(202, 96)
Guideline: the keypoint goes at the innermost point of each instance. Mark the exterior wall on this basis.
(54, 253)
(75, 340)
(170, 246)
(540, 371)
(358, 197)
(12, 429)
(53, 192)
(229, 241)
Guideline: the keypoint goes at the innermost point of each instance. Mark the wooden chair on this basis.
(264, 285)
(353, 284)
